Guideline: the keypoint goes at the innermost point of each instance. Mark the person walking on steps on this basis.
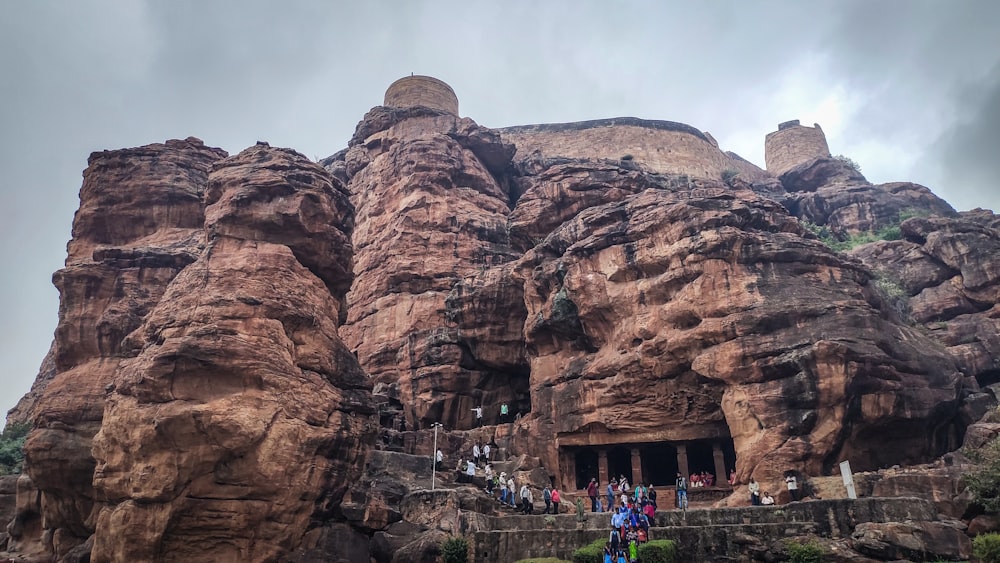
(611, 495)
(547, 497)
(592, 493)
(682, 493)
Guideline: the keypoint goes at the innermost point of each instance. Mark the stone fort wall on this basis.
(663, 146)
(791, 145)
(425, 91)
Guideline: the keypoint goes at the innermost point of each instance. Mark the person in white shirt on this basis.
(767, 499)
(479, 415)
(486, 452)
(793, 485)
(470, 470)
(525, 499)
(438, 459)
(475, 453)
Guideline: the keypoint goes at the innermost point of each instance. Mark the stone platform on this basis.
(718, 534)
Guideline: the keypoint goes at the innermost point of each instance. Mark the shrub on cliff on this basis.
(12, 447)
(455, 550)
(984, 480)
(849, 161)
(808, 552)
(658, 551)
(986, 547)
(590, 553)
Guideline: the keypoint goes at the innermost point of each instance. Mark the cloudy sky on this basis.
(910, 89)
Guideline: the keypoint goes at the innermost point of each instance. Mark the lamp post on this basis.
(434, 454)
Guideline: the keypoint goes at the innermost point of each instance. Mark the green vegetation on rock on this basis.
(891, 231)
(545, 560)
(849, 161)
(984, 480)
(808, 552)
(12, 448)
(986, 547)
(455, 550)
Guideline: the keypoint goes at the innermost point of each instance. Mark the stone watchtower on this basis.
(421, 91)
(791, 145)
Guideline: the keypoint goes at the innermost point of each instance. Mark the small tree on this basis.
(455, 550)
(12, 447)
(984, 480)
(849, 161)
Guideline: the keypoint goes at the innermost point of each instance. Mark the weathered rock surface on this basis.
(708, 313)
(915, 541)
(948, 268)
(430, 214)
(242, 418)
(138, 225)
(233, 332)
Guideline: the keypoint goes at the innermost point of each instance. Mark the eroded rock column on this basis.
(242, 418)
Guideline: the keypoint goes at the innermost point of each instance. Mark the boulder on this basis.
(920, 541)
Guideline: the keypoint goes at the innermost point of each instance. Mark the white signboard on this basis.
(845, 472)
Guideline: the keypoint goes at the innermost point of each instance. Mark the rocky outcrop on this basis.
(688, 314)
(947, 270)
(423, 187)
(242, 418)
(138, 225)
(235, 333)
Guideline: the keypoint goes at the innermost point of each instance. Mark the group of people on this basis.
(620, 495)
(765, 499)
(703, 479)
(630, 522)
(523, 499)
(502, 419)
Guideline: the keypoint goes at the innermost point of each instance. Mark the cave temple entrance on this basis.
(655, 463)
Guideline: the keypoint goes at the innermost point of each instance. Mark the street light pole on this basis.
(434, 454)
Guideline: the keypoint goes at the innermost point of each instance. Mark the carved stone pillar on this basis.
(602, 466)
(682, 460)
(721, 476)
(636, 466)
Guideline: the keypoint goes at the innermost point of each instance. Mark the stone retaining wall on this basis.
(700, 534)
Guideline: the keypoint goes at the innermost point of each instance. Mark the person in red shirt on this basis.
(592, 493)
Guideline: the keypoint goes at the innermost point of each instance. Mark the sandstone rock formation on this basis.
(242, 417)
(138, 225)
(252, 350)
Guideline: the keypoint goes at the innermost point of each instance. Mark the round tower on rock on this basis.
(421, 91)
(791, 145)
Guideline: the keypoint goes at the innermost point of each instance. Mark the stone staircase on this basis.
(717, 534)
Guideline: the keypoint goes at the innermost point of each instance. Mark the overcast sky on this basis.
(909, 89)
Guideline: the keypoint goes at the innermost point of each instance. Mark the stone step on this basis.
(718, 532)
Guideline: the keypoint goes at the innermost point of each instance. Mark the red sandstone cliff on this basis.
(233, 331)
